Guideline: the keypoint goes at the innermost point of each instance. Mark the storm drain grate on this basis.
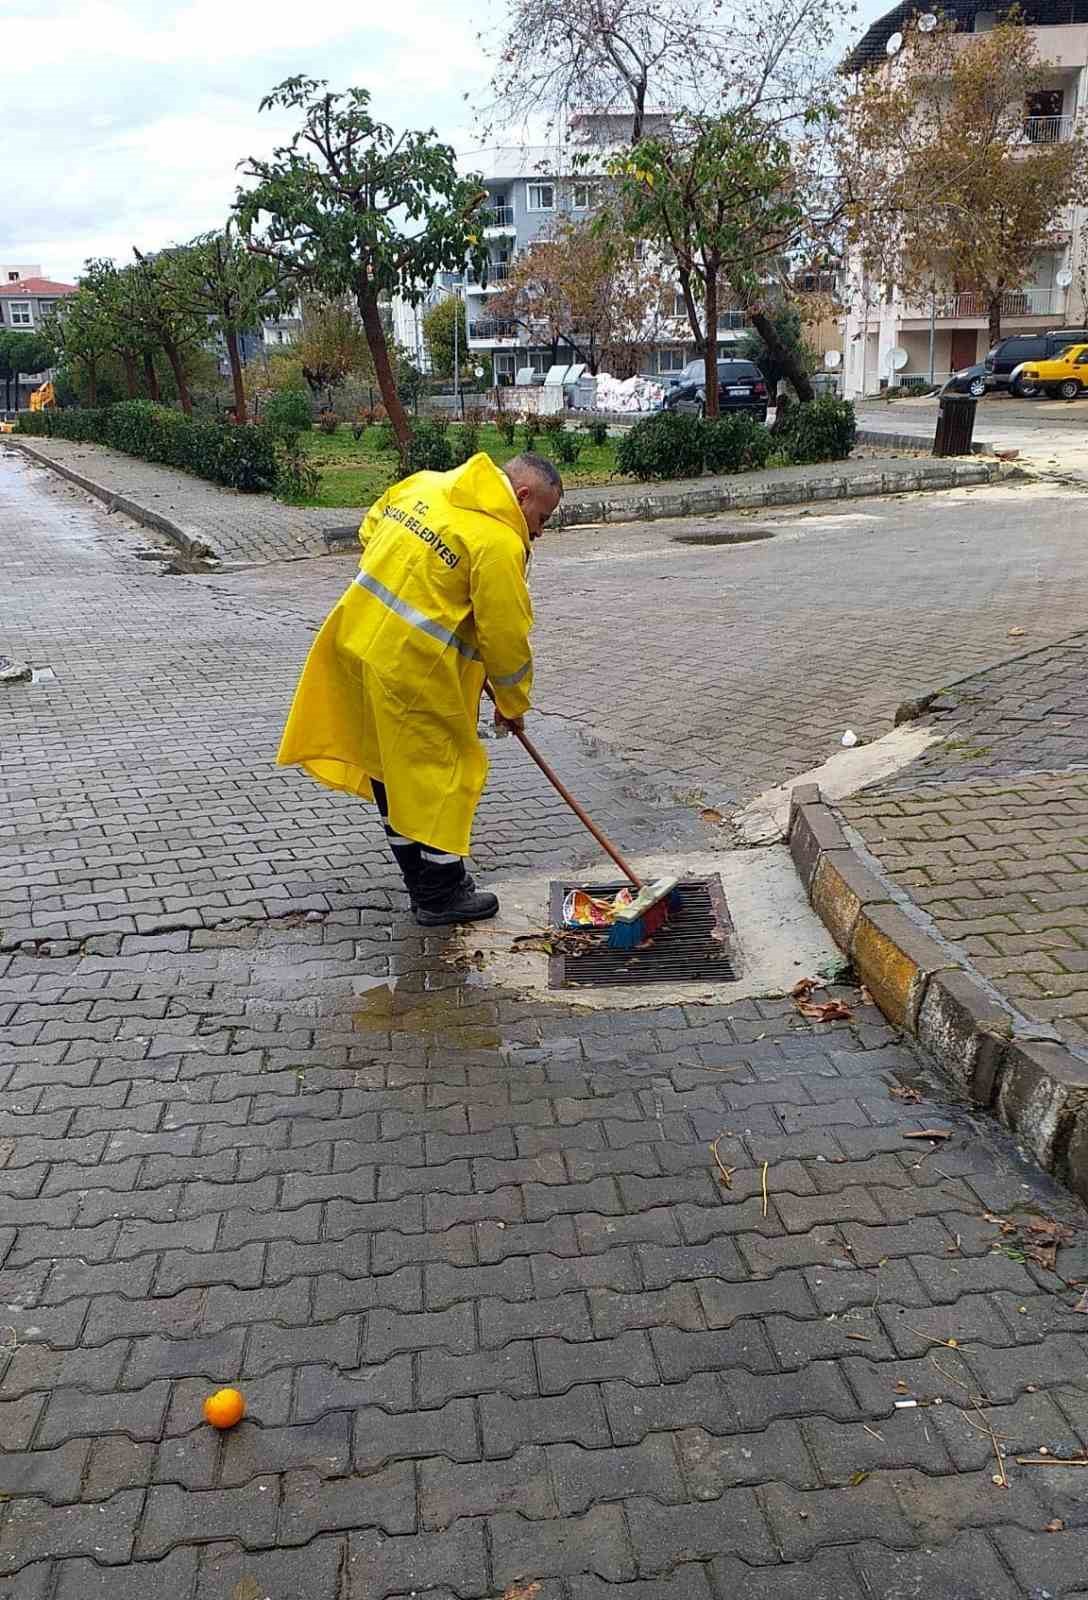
(693, 948)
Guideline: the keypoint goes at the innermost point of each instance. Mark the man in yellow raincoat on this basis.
(388, 702)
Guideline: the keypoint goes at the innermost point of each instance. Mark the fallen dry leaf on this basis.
(1055, 1525)
(1017, 633)
(904, 1092)
(521, 1591)
(825, 1011)
(1082, 1303)
(856, 1478)
(247, 1588)
(804, 987)
(710, 814)
(866, 997)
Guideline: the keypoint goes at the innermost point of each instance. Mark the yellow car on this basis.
(1065, 376)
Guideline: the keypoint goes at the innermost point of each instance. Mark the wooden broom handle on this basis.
(560, 788)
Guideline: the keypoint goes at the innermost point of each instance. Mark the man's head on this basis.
(536, 482)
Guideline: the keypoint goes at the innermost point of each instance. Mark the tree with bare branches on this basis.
(948, 181)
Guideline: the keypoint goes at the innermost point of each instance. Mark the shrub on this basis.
(467, 441)
(823, 430)
(241, 458)
(428, 449)
(387, 439)
(736, 443)
(328, 421)
(665, 445)
(597, 429)
(552, 423)
(440, 422)
(529, 443)
(297, 479)
(507, 424)
(287, 413)
(566, 448)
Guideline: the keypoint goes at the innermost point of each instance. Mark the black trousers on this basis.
(431, 877)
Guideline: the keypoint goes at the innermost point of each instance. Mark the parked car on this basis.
(1020, 348)
(741, 387)
(1064, 376)
(969, 380)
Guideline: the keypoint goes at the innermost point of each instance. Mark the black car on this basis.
(1009, 353)
(969, 380)
(741, 387)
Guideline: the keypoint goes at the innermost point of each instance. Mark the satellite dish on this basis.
(898, 358)
(927, 22)
(832, 359)
(894, 44)
(1064, 278)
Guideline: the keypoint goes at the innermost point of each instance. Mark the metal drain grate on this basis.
(693, 948)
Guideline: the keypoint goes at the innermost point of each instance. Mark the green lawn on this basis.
(355, 473)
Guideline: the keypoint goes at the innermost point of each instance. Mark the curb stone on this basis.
(1036, 1086)
(704, 502)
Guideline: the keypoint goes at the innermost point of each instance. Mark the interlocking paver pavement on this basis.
(499, 1326)
(988, 830)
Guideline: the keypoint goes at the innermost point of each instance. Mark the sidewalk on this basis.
(503, 1332)
(988, 831)
(202, 518)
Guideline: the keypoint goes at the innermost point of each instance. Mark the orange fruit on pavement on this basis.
(224, 1408)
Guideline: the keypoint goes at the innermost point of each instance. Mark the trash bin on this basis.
(955, 425)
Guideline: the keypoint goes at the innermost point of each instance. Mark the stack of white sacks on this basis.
(628, 394)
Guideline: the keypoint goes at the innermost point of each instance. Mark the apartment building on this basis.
(947, 330)
(27, 297)
(529, 188)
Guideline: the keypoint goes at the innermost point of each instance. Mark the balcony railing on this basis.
(498, 272)
(1016, 303)
(499, 217)
(490, 329)
(1048, 130)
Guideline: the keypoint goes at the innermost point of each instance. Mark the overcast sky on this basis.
(125, 120)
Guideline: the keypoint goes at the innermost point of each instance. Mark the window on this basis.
(585, 196)
(542, 197)
(540, 360)
(1082, 359)
(679, 308)
(21, 315)
(13, 277)
(670, 361)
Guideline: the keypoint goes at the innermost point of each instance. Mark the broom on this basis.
(649, 911)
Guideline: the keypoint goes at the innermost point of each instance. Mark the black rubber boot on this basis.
(466, 904)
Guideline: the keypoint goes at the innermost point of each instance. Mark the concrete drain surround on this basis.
(694, 947)
(743, 534)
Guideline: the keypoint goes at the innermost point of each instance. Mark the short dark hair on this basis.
(539, 466)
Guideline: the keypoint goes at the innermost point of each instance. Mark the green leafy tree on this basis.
(83, 339)
(113, 291)
(788, 327)
(165, 320)
(217, 279)
(722, 199)
(438, 325)
(331, 345)
(23, 355)
(353, 208)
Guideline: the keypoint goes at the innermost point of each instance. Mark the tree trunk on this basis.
(785, 357)
(92, 382)
(994, 317)
(132, 382)
(236, 377)
(710, 347)
(367, 302)
(173, 355)
(151, 378)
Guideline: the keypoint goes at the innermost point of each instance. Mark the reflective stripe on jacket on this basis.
(391, 688)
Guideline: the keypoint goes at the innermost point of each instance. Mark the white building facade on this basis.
(947, 331)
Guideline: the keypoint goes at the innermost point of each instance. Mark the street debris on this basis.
(476, 962)
(552, 941)
(1082, 1303)
(818, 1010)
(725, 1174)
(12, 671)
(711, 814)
(1034, 1239)
(1052, 1461)
(905, 1092)
(1055, 1525)
(763, 1185)
(849, 739)
(856, 1478)
(1017, 633)
(521, 1591)
(928, 1133)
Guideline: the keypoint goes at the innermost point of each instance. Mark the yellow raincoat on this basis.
(391, 687)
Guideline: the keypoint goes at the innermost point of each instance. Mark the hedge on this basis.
(241, 458)
(668, 445)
